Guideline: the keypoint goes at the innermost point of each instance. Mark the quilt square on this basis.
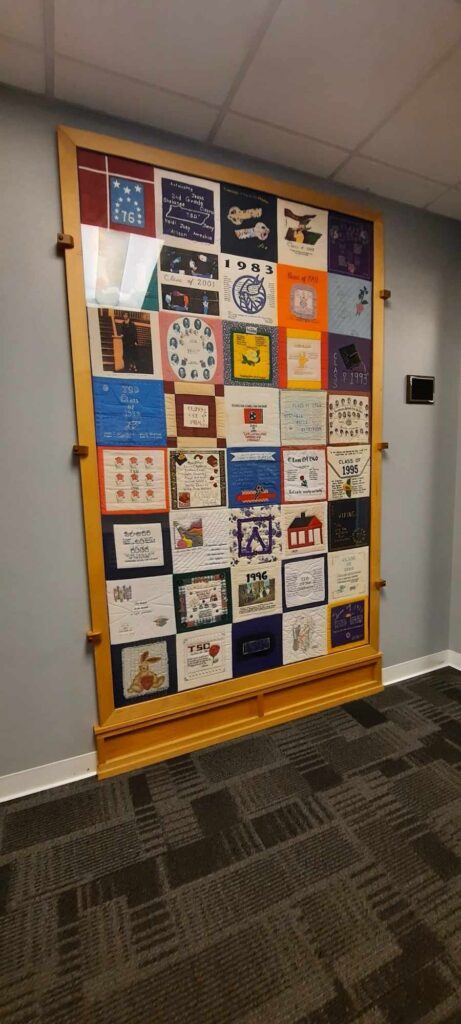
(348, 471)
(140, 609)
(189, 280)
(302, 298)
(129, 412)
(305, 582)
(304, 529)
(202, 599)
(197, 478)
(188, 208)
(200, 539)
(350, 245)
(252, 416)
(133, 480)
(255, 535)
(303, 359)
(349, 363)
(348, 624)
(304, 634)
(303, 417)
(248, 222)
(253, 476)
(250, 354)
(120, 269)
(194, 415)
(124, 343)
(256, 645)
(303, 474)
(191, 348)
(249, 290)
(348, 524)
(137, 546)
(348, 573)
(350, 303)
(204, 657)
(144, 671)
(256, 591)
(348, 418)
(116, 193)
(302, 232)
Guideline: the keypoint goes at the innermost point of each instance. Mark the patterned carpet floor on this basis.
(308, 875)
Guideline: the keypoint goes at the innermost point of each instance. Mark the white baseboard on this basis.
(59, 773)
(418, 666)
(454, 659)
(47, 776)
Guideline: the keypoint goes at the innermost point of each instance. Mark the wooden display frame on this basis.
(131, 737)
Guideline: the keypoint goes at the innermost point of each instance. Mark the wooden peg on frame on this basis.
(385, 293)
(380, 584)
(64, 241)
(80, 450)
(382, 446)
(93, 636)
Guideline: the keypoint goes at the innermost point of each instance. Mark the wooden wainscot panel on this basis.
(306, 698)
(136, 745)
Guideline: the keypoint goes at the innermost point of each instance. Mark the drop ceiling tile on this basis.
(123, 97)
(22, 20)
(22, 66)
(449, 205)
(425, 134)
(333, 70)
(191, 47)
(268, 143)
(388, 182)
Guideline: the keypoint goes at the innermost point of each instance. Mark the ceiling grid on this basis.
(366, 94)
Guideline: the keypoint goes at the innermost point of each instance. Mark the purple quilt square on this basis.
(350, 246)
(348, 623)
(349, 363)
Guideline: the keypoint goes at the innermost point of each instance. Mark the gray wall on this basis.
(48, 704)
(422, 335)
(455, 606)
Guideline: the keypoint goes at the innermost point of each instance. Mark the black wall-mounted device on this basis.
(420, 390)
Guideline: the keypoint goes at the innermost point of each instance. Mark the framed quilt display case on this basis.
(226, 335)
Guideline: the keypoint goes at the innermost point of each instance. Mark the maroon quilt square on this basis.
(191, 411)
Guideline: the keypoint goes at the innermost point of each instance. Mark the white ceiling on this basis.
(365, 92)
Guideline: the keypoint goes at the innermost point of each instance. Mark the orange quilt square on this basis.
(302, 298)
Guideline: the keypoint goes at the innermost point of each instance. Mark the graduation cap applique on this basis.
(350, 356)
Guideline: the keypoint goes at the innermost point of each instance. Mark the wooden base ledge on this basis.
(123, 747)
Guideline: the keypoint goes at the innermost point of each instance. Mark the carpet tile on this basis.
(310, 874)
